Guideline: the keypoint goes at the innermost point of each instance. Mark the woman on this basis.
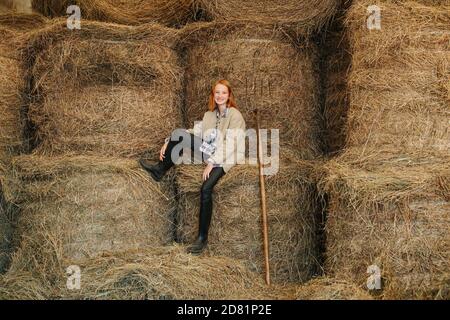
(219, 142)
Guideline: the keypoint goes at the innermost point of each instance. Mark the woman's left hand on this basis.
(207, 171)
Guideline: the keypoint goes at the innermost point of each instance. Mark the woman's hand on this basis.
(163, 151)
(207, 171)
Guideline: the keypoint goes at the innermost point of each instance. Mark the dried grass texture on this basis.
(236, 222)
(335, 67)
(5, 234)
(13, 30)
(104, 90)
(22, 22)
(400, 78)
(330, 289)
(267, 69)
(11, 141)
(304, 17)
(78, 207)
(128, 12)
(157, 273)
(390, 210)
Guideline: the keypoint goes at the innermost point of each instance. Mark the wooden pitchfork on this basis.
(263, 198)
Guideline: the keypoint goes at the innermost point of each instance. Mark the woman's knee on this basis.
(206, 189)
(177, 133)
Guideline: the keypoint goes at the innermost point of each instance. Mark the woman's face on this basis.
(221, 94)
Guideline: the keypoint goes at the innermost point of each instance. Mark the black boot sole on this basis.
(196, 250)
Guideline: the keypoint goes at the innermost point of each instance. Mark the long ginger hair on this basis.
(231, 103)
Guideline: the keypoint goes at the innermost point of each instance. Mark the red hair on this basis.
(231, 103)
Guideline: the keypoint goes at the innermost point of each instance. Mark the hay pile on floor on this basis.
(304, 17)
(400, 78)
(390, 211)
(129, 12)
(78, 207)
(266, 68)
(104, 90)
(330, 289)
(236, 228)
(158, 273)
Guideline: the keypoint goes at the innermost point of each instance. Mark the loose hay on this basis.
(129, 12)
(399, 83)
(266, 68)
(330, 289)
(104, 90)
(157, 273)
(305, 17)
(78, 207)
(391, 212)
(236, 228)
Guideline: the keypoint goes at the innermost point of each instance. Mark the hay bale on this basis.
(266, 69)
(391, 212)
(304, 17)
(11, 141)
(399, 82)
(157, 273)
(78, 207)
(330, 289)
(104, 90)
(130, 12)
(13, 30)
(236, 228)
(21, 22)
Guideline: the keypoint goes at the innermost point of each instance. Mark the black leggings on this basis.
(184, 139)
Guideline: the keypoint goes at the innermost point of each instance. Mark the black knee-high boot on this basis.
(204, 221)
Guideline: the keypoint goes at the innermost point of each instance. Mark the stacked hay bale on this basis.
(268, 69)
(264, 50)
(11, 86)
(78, 207)
(399, 83)
(236, 224)
(302, 17)
(388, 192)
(13, 28)
(394, 217)
(22, 22)
(114, 91)
(163, 273)
(102, 96)
(134, 12)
